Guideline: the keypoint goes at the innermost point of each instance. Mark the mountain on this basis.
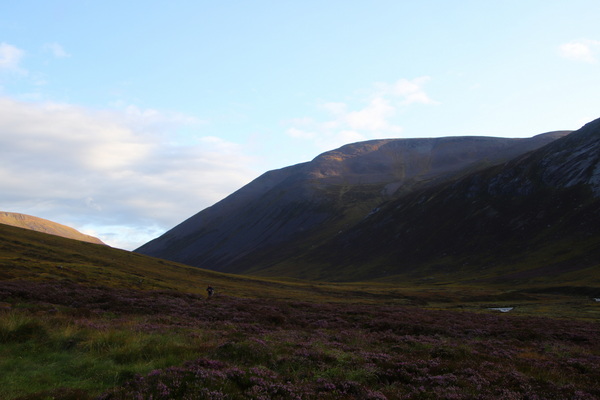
(534, 218)
(45, 226)
(284, 212)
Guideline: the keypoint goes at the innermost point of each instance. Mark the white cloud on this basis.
(10, 57)
(584, 50)
(113, 172)
(408, 91)
(56, 50)
(373, 119)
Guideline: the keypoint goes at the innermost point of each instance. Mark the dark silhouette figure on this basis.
(210, 291)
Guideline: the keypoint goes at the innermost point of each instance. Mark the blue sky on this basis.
(124, 118)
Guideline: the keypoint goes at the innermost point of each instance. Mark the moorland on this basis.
(86, 321)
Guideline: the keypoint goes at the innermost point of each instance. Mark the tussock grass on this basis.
(41, 352)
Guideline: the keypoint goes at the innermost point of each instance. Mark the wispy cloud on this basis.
(373, 118)
(56, 50)
(10, 57)
(111, 172)
(585, 50)
(406, 91)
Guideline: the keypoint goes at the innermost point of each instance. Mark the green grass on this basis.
(47, 352)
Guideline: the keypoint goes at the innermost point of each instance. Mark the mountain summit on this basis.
(292, 211)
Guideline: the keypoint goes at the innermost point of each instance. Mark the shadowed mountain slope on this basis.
(45, 226)
(286, 211)
(532, 219)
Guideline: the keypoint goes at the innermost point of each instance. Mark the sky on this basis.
(124, 118)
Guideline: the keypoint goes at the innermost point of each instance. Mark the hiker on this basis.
(210, 291)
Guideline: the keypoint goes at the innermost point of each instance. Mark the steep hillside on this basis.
(45, 226)
(283, 211)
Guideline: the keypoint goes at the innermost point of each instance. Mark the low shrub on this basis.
(133, 344)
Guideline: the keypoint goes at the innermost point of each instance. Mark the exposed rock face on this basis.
(572, 161)
(269, 219)
(45, 226)
(575, 160)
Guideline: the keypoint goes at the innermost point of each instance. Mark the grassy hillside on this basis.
(36, 257)
(33, 256)
(82, 321)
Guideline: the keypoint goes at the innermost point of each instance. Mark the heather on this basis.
(64, 340)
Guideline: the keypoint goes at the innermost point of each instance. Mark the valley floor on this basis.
(68, 341)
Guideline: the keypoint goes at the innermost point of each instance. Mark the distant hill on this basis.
(276, 224)
(45, 226)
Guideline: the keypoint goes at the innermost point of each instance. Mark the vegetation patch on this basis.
(65, 340)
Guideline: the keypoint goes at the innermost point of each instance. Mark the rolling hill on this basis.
(44, 225)
(31, 256)
(284, 212)
(34, 259)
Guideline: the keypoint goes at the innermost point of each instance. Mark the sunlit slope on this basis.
(44, 225)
